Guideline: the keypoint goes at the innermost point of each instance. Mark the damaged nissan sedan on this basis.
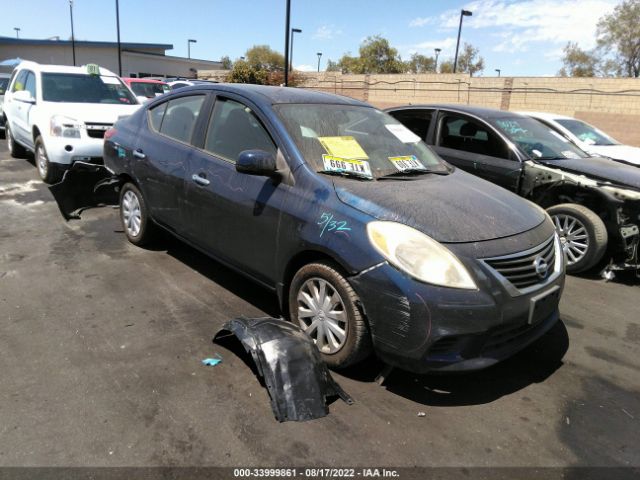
(369, 239)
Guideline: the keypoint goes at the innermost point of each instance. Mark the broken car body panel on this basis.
(298, 382)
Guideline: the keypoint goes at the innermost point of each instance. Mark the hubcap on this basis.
(573, 237)
(322, 315)
(43, 163)
(131, 215)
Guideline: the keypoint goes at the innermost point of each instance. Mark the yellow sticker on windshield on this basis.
(343, 147)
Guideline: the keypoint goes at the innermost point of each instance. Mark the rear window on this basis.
(149, 90)
(79, 88)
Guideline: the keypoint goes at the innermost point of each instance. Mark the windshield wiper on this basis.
(411, 172)
(346, 173)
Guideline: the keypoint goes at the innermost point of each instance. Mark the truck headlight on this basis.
(62, 126)
(419, 255)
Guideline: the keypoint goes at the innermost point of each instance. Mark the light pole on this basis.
(119, 46)
(287, 25)
(189, 42)
(319, 56)
(463, 13)
(17, 29)
(498, 70)
(293, 30)
(73, 37)
(437, 50)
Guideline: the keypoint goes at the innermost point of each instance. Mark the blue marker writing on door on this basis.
(328, 224)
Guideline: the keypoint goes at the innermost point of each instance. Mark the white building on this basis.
(138, 59)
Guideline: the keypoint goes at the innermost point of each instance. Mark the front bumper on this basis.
(66, 151)
(425, 328)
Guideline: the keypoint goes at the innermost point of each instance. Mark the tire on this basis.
(136, 222)
(49, 172)
(578, 226)
(345, 317)
(15, 149)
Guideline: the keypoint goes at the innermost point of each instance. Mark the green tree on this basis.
(332, 66)
(420, 64)
(263, 57)
(578, 63)
(446, 66)
(242, 72)
(376, 55)
(469, 60)
(227, 64)
(619, 32)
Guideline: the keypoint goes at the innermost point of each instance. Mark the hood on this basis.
(617, 152)
(597, 168)
(92, 112)
(453, 208)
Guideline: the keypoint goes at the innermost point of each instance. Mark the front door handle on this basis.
(139, 154)
(200, 180)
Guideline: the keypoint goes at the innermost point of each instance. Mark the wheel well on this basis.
(127, 179)
(36, 133)
(571, 194)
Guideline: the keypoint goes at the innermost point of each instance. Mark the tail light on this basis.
(109, 133)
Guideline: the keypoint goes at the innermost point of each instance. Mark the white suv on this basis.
(62, 113)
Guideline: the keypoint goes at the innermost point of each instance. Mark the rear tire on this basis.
(136, 222)
(324, 305)
(582, 233)
(15, 149)
(49, 172)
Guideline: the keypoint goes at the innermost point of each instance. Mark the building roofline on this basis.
(81, 43)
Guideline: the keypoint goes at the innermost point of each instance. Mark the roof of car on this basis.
(143, 80)
(39, 67)
(276, 95)
(482, 112)
(546, 115)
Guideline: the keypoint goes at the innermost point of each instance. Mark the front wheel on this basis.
(324, 306)
(582, 233)
(49, 172)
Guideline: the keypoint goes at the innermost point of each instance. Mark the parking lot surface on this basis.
(101, 346)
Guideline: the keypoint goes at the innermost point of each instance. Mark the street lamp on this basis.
(437, 50)
(17, 29)
(319, 55)
(498, 70)
(463, 13)
(189, 42)
(73, 37)
(293, 30)
(119, 46)
(287, 25)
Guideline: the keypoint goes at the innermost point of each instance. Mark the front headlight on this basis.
(419, 255)
(62, 126)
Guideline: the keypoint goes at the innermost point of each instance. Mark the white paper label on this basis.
(402, 133)
(110, 80)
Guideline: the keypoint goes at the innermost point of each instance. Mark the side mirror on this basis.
(256, 162)
(24, 96)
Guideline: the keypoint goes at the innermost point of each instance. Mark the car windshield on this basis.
(587, 133)
(81, 88)
(537, 140)
(149, 90)
(357, 141)
(3, 85)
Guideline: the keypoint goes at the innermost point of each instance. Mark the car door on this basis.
(161, 156)
(19, 110)
(233, 215)
(475, 147)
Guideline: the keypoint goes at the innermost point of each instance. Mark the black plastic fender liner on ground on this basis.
(83, 186)
(298, 381)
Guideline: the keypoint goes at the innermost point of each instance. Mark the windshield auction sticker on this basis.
(402, 133)
(333, 163)
(345, 147)
(407, 162)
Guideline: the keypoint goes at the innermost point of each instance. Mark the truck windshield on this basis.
(80, 88)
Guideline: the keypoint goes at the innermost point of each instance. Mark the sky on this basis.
(520, 37)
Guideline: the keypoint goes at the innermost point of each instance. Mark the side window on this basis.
(21, 79)
(180, 117)
(234, 128)
(415, 120)
(156, 114)
(30, 84)
(464, 133)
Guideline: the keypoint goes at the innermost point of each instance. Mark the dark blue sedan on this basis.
(369, 239)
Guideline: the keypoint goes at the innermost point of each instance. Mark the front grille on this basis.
(525, 269)
(504, 336)
(97, 130)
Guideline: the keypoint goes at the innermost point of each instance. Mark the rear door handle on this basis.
(200, 180)
(139, 154)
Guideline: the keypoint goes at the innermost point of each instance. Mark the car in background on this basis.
(594, 202)
(369, 239)
(588, 138)
(183, 82)
(147, 88)
(4, 83)
(61, 113)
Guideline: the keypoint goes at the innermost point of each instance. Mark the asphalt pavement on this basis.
(101, 345)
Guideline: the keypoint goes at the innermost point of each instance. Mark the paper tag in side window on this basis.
(407, 162)
(338, 164)
(402, 133)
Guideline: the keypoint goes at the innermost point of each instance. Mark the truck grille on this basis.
(526, 269)
(97, 130)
